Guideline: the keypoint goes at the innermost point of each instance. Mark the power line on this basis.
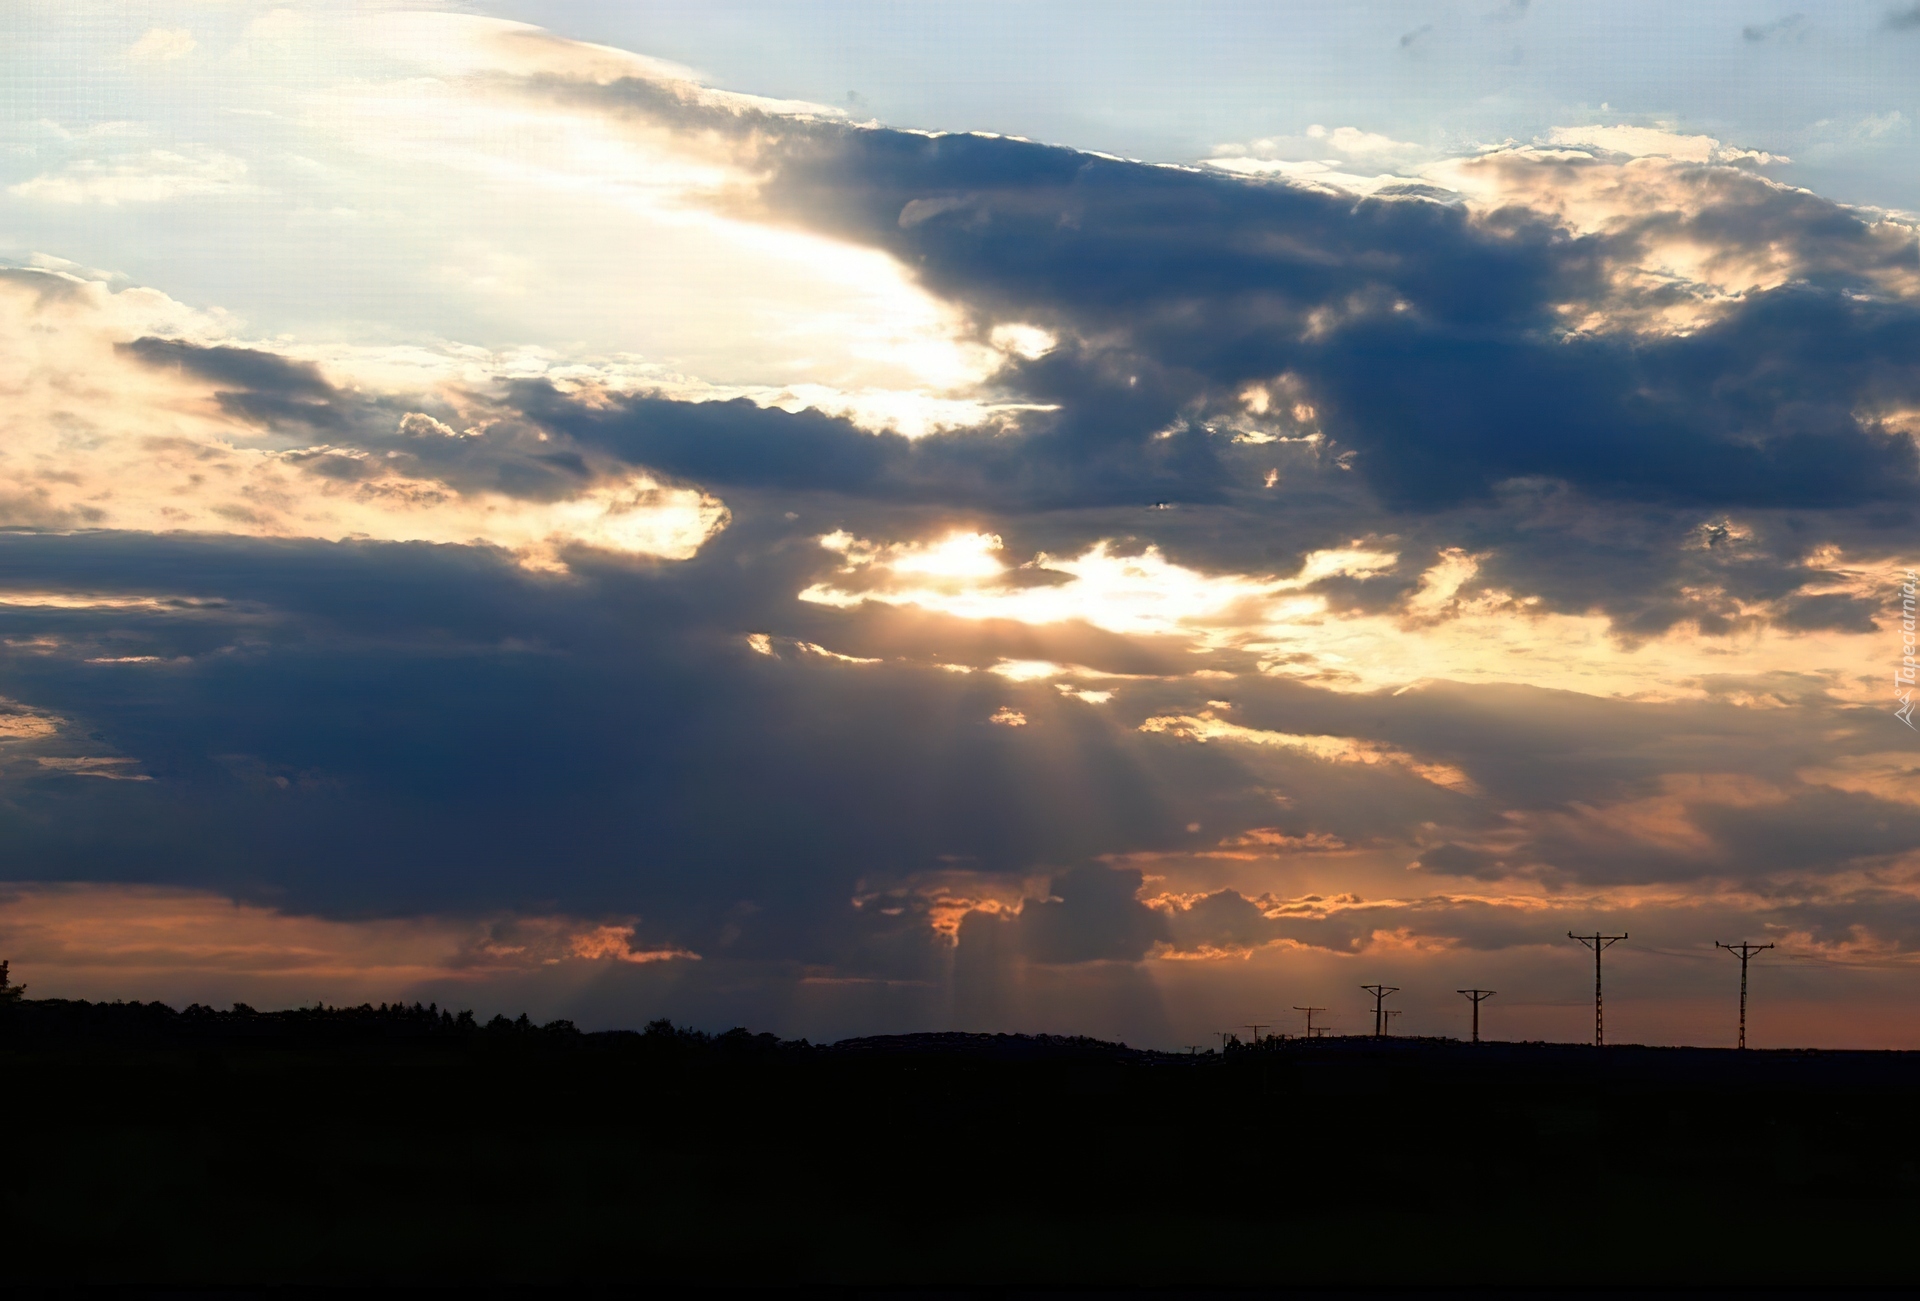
(1675, 953)
(1379, 993)
(1310, 1011)
(1851, 964)
(1743, 951)
(1256, 1033)
(1477, 996)
(1599, 944)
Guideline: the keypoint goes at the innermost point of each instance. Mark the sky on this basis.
(853, 518)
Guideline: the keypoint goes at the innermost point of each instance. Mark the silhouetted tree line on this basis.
(60, 1018)
(55, 1019)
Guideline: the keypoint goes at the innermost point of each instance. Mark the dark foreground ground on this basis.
(389, 1145)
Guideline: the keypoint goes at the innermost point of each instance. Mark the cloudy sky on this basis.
(858, 517)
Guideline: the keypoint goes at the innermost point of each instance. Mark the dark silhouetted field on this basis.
(398, 1145)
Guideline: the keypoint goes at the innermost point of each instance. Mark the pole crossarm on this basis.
(1379, 993)
(1599, 944)
(1478, 996)
(1743, 951)
(1309, 1011)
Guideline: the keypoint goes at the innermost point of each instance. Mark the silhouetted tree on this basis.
(10, 992)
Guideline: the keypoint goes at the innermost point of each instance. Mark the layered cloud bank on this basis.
(108, 426)
(893, 578)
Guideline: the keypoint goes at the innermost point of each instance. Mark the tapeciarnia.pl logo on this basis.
(1903, 676)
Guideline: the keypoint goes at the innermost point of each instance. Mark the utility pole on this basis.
(1387, 1029)
(1478, 996)
(1379, 993)
(1256, 1033)
(1309, 1011)
(1599, 944)
(1743, 951)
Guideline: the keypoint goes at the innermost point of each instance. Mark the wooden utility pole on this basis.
(1743, 951)
(1478, 996)
(1599, 944)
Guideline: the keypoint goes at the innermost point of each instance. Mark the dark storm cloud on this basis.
(260, 387)
(1578, 788)
(264, 388)
(1650, 567)
(1432, 341)
(1461, 860)
(393, 728)
(1814, 830)
(409, 433)
(729, 443)
(1830, 610)
(263, 374)
(1458, 391)
(737, 443)
(358, 728)
(1758, 410)
(1091, 913)
(1209, 273)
